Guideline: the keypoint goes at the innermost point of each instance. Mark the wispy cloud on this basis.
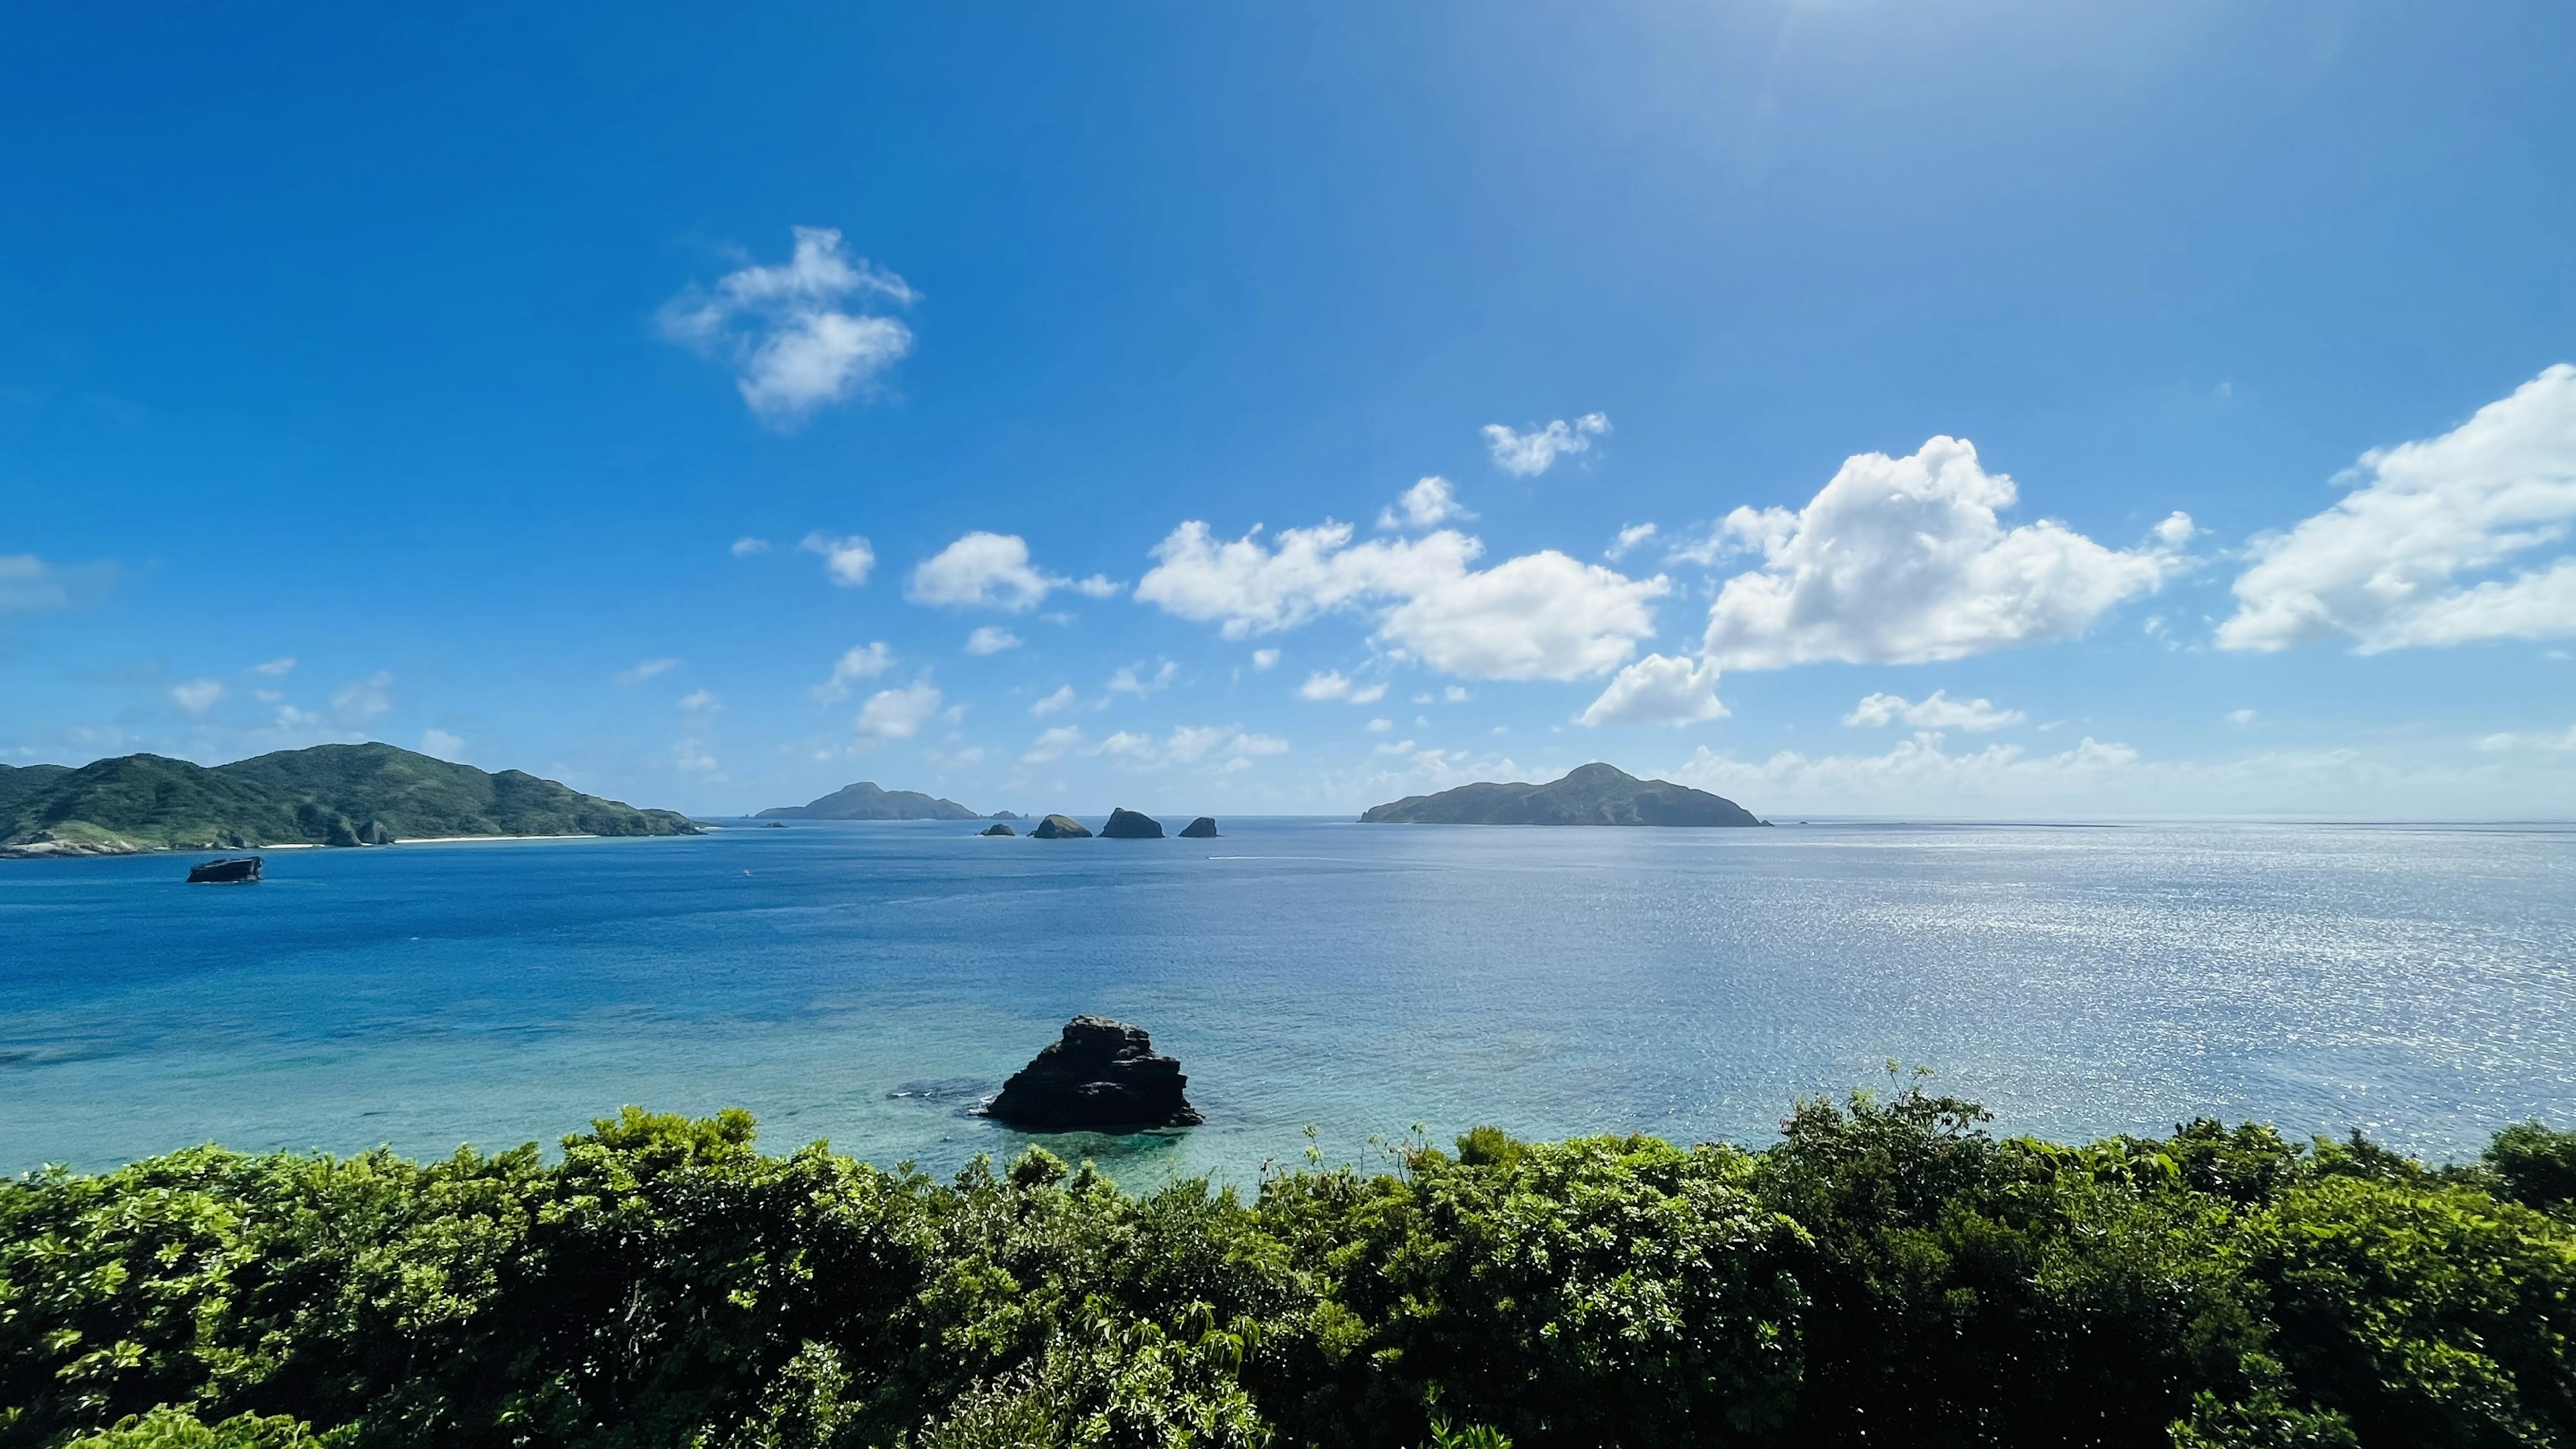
(867, 661)
(1938, 711)
(991, 639)
(847, 560)
(648, 669)
(197, 696)
(746, 546)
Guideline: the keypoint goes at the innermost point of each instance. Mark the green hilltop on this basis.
(328, 795)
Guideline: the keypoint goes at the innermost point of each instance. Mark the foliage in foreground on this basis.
(1889, 1272)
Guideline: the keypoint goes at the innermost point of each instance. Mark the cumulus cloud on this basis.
(1333, 684)
(867, 661)
(1903, 560)
(1529, 454)
(700, 701)
(1629, 537)
(1264, 658)
(197, 696)
(847, 560)
(1657, 690)
(991, 639)
(275, 668)
(1128, 681)
(1062, 699)
(898, 714)
(1427, 504)
(1919, 770)
(1052, 745)
(1539, 616)
(1227, 746)
(2394, 564)
(1098, 586)
(796, 335)
(1936, 712)
(442, 744)
(364, 699)
(992, 571)
(648, 669)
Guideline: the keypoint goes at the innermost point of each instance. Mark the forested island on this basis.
(867, 801)
(1595, 794)
(1887, 1273)
(369, 794)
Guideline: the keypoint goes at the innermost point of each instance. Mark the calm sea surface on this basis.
(868, 983)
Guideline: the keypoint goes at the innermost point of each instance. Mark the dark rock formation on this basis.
(1593, 795)
(1060, 827)
(775, 825)
(1129, 825)
(1006, 815)
(1103, 1076)
(242, 870)
(997, 828)
(1203, 828)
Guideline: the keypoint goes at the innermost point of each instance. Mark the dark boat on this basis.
(225, 872)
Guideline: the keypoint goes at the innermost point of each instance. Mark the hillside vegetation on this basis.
(327, 795)
(867, 800)
(1888, 1273)
(1595, 794)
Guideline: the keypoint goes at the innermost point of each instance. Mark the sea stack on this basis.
(1101, 1076)
(1060, 827)
(1203, 828)
(1127, 824)
(997, 828)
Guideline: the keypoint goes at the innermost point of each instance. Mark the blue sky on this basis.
(2039, 409)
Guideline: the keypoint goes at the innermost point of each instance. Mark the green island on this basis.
(369, 794)
(868, 800)
(1889, 1272)
(1594, 794)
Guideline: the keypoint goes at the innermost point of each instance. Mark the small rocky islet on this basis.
(1123, 824)
(1101, 1075)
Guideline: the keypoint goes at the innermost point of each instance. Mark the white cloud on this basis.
(1325, 684)
(702, 701)
(197, 696)
(1052, 745)
(1380, 726)
(1902, 560)
(1937, 712)
(1427, 504)
(1539, 616)
(991, 639)
(1062, 699)
(1529, 454)
(274, 668)
(847, 560)
(1658, 690)
(442, 744)
(1915, 773)
(2240, 717)
(364, 699)
(1229, 745)
(1456, 695)
(788, 331)
(987, 570)
(2390, 563)
(691, 755)
(1629, 537)
(1264, 658)
(746, 546)
(1128, 681)
(1098, 586)
(898, 714)
(648, 669)
(2560, 743)
(867, 661)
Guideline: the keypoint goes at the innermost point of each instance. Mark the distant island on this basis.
(372, 794)
(1596, 794)
(865, 801)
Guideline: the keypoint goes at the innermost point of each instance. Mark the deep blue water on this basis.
(867, 983)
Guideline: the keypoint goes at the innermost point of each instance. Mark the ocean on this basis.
(870, 983)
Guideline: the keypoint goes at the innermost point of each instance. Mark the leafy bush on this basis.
(1890, 1271)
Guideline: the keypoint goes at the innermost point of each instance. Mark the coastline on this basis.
(39, 853)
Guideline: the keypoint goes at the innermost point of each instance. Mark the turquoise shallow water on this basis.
(868, 983)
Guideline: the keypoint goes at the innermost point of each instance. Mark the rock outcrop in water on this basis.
(997, 828)
(1203, 828)
(1127, 824)
(1060, 827)
(1101, 1076)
